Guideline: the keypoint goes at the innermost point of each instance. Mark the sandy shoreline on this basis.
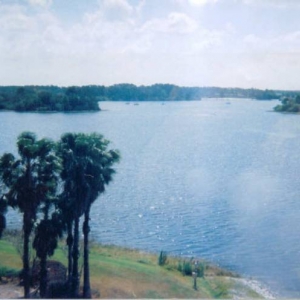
(258, 287)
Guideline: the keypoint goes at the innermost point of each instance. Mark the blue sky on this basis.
(228, 43)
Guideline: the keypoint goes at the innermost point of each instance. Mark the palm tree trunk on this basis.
(26, 267)
(43, 276)
(70, 247)
(75, 256)
(86, 269)
(27, 226)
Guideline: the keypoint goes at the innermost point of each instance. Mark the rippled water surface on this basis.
(214, 178)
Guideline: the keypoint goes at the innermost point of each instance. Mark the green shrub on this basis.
(162, 259)
(201, 269)
(187, 268)
(7, 272)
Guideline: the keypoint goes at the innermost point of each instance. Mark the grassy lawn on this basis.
(124, 273)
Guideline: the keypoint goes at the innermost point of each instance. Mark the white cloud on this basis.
(252, 39)
(23, 34)
(116, 9)
(174, 23)
(274, 3)
(98, 32)
(13, 19)
(201, 2)
(284, 43)
(206, 40)
(195, 3)
(120, 41)
(43, 3)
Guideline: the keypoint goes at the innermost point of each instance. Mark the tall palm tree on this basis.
(72, 198)
(27, 183)
(98, 174)
(65, 208)
(48, 230)
(87, 168)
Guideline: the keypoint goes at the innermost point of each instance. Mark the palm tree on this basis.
(86, 170)
(73, 199)
(48, 230)
(65, 208)
(98, 173)
(27, 183)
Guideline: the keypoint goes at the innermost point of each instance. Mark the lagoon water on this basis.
(217, 178)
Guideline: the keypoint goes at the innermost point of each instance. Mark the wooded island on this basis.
(289, 104)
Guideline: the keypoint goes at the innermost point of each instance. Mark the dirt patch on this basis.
(11, 291)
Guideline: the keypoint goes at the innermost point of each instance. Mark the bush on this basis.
(7, 272)
(57, 290)
(200, 270)
(162, 259)
(185, 267)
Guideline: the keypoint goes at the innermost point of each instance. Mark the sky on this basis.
(225, 43)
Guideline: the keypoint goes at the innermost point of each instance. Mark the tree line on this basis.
(86, 98)
(53, 185)
(170, 92)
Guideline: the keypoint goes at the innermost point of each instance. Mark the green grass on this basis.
(9, 256)
(125, 273)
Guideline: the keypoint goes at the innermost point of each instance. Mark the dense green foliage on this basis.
(289, 104)
(86, 98)
(31, 98)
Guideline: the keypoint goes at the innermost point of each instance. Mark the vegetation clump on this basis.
(162, 259)
(6, 272)
(289, 104)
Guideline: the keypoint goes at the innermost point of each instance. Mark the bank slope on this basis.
(124, 273)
